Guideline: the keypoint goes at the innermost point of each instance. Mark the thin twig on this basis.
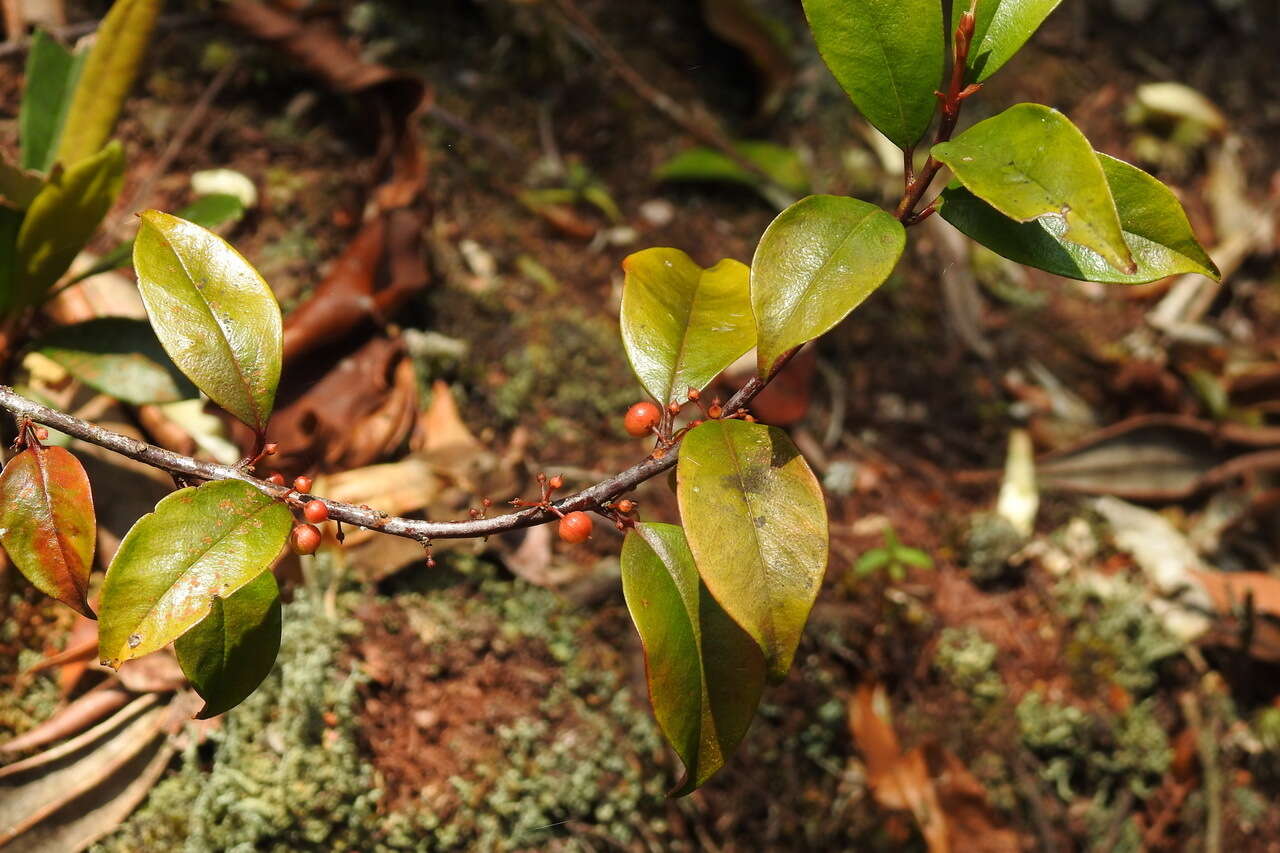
(592, 498)
(952, 100)
(193, 122)
(705, 131)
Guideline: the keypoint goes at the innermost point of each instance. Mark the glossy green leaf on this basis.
(816, 262)
(756, 523)
(1030, 161)
(210, 211)
(118, 356)
(10, 222)
(52, 73)
(62, 218)
(1155, 228)
(199, 543)
(682, 324)
(1002, 27)
(781, 164)
(705, 673)
(215, 316)
(230, 651)
(889, 57)
(47, 524)
(18, 187)
(109, 71)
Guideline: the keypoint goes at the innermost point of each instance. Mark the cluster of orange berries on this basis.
(305, 538)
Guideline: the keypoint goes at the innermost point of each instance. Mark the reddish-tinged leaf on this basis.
(47, 523)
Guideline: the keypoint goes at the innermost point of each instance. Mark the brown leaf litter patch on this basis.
(433, 705)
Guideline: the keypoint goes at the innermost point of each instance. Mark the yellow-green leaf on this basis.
(1155, 228)
(756, 523)
(47, 523)
(215, 316)
(705, 673)
(199, 543)
(62, 218)
(682, 324)
(109, 71)
(816, 262)
(1029, 162)
(1001, 28)
(118, 356)
(51, 75)
(888, 56)
(229, 652)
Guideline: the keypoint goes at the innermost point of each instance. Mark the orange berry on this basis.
(556, 482)
(641, 419)
(575, 528)
(305, 539)
(714, 410)
(302, 484)
(276, 477)
(315, 511)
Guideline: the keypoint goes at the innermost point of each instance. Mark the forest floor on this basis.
(1057, 696)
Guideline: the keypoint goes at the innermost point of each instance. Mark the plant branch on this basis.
(592, 498)
(951, 101)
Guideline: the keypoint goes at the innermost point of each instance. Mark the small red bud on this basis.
(270, 449)
(694, 394)
(556, 482)
(673, 407)
(626, 505)
(714, 410)
(276, 477)
(42, 434)
(302, 484)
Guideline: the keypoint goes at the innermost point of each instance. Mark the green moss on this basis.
(1095, 754)
(276, 776)
(1116, 638)
(969, 662)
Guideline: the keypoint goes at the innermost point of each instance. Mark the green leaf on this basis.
(757, 526)
(215, 316)
(889, 57)
(47, 524)
(61, 220)
(682, 324)
(52, 73)
(118, 356)
(10, 222)
(199, 543)
(109, 71)
(872, 561)
(1030, 161)
(208, 211)
(1002, 27)
(913, 557)
(781, 164)
(705, 673)
(230, 651)
(1154, 224)
(816, 262)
